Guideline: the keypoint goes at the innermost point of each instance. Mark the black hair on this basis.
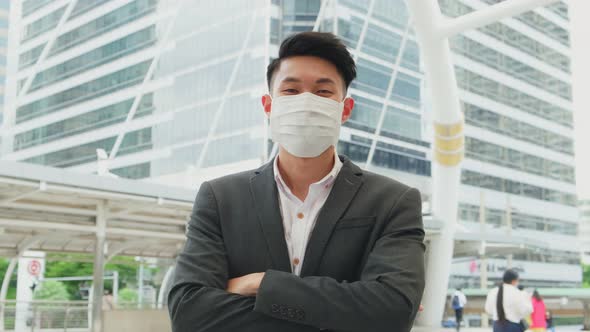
(324, 45)
(537, 296)
(508, 278)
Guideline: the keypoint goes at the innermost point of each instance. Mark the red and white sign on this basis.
(34, 267)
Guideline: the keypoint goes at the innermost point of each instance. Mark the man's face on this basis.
(299, 74)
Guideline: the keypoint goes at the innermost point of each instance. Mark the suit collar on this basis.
(347, 184)
(264, 190)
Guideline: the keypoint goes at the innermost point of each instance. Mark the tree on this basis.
(11, 294)
(51, 290)
(61, 265)
(127, 297)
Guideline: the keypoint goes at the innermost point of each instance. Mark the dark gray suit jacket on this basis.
(363, 269)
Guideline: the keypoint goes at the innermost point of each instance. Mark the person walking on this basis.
(550, 324)
(539, 315)
(507, 304)
(458, 302)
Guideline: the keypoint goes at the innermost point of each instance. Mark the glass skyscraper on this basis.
(515, 83)
(4, 15)
(172, 89)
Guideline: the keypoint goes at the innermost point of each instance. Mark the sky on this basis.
(580, 35)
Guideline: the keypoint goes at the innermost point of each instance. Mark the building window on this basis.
(113, 82)
(518, 188)
(99, 56)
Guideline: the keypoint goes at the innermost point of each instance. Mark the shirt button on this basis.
(296, 261)
(300, 215)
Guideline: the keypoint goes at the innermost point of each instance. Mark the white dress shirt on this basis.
(517, 303)
(462, 298)
(299, 217)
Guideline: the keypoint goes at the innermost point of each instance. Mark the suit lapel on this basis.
(264, 191)
(347, 183)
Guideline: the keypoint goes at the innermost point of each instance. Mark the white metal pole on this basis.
(266, 124)
(361, 41)
(448, 153)
(140, 285)
(4, 289)
(483, 284)
(508, 216)
(147, 78)
(47, 48)
(579, 31)
(321, 14)
(98, 269)
(226, 92)
(489, 15)
(115, 287)
(162, 293)
(390, 86)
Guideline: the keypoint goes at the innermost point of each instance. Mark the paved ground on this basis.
(558, 329)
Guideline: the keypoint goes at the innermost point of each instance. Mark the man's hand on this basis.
(246, 285)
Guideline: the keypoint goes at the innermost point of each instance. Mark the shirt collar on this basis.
(326, 181)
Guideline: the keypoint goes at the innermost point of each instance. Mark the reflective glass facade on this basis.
(515, 85)
(4, 19)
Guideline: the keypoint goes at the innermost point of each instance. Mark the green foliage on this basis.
(11, 294)
(51, 290)
(586, 277)
(128, 295)
(61, 265)
(77, 265)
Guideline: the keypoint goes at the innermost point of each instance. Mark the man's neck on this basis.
(300, 173)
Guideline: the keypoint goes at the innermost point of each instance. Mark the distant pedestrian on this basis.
(107, 301)
(507, 304)
(539, 315)
(525, 321)
(458, 302)
(550, 325)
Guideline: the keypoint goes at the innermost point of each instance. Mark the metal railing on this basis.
(56, 316)
(32, 316)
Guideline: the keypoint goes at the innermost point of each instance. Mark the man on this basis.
(458, 302)
(508, 305)
(309, 241)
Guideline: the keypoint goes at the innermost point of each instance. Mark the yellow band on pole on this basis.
(448, 130)
(449, 143)
(445, 159)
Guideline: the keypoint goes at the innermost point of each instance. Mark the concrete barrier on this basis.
(150, 320)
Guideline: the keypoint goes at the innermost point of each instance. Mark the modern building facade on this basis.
(519, 174)
(4, 15)
(585, 230)
(171, 90)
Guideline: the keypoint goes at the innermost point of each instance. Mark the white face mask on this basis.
(305, 124)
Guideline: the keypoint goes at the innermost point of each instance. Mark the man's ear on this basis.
(266, 102)
(348, 106)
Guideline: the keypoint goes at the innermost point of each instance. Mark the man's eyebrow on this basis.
(290, 79)
(325, 80)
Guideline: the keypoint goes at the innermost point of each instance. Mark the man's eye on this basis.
(323, 92)
(290, 91)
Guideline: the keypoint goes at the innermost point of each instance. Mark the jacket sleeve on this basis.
(197, 301)
(387, 296)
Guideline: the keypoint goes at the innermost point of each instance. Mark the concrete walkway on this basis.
(577, 328)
